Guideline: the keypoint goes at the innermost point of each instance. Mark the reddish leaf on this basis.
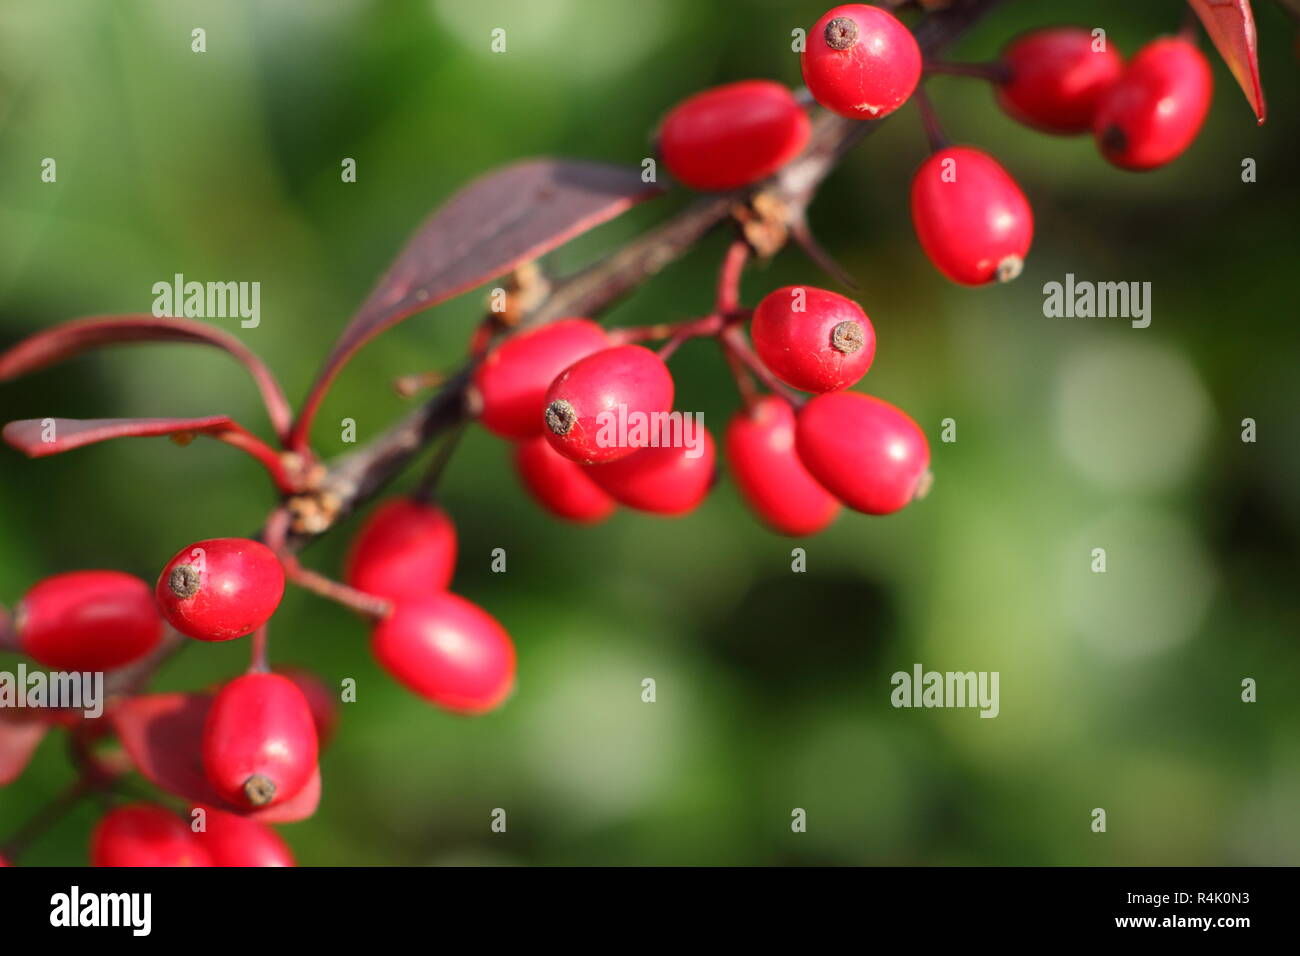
(163, 736)
(494, 224)
(28, 435)
(1231, 26)
(67, 339)
(18, 741)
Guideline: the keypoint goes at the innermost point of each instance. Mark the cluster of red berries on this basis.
(547, 388)
(565, 394)
(1143, 115)
(971, 218)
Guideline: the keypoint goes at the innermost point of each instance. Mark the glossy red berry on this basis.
(733, 135)
(322, 701)
(140, 834)
(970, 216)
(560, 486)
(668, 480)
(813, 339)
(1156, 108)
(88, 621)
(259, 741)
(221, 588)
(449, 651)
(601, 407)
(510, 385)
(232, 840)
(1056, 77)
(861, 62)
(765, 466)
(866, 452)
(406, 548)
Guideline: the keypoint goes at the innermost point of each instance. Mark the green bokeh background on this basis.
(1118, 690)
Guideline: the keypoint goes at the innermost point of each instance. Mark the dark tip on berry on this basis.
(1113, 139)
(1009, 268)
(184, 581)
(841, 33)
(847, 337)
(259, 790)
(560, 417)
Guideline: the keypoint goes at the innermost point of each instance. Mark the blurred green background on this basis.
(1118, 690)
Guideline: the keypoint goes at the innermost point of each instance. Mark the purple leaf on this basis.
(18, 741)
(163, 736)
(28, 436)
(1231, 26)
(494, 224)
(68, 339)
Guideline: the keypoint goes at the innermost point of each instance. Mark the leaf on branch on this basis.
(1231, 26)
(18, 741)
(39, 437)
(69, 339)
(494, 224)
(163, 736)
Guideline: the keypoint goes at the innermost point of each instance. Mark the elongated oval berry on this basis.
(140, 834)
(866, 452)
(1153, 112)
(733, 135)
(1056, 78)
(861, 62)
(406, 548)
(560, 486)
(259, 740)
(449, 651)
(773, 481)
(232, 840)
(221, 588)
(510, 385)
(813, 339)
(970, 216)
(602, 407)
(322, 701)
(88, 621)
(667, 480)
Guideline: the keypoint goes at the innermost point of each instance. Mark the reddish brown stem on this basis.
(930, 120)
(276, 536)
(265, 455)
(733, 266)
(733, 339)
(259, 662)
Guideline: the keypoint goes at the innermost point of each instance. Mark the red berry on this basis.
(970, 216)
(733, 135)
(232, 840)
(866, 452)
(220, 589)
(772, 479)
(4, 862)
(140, 834)
(813, 339)
(259, 741)
(510, 384)
(1057, 78)
(406, 548)
(588, 401)
(1152, 114)
(664, 480)
(449, 651)
(560, 486)
(861, 62)
(322, 701)
(88, 621)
